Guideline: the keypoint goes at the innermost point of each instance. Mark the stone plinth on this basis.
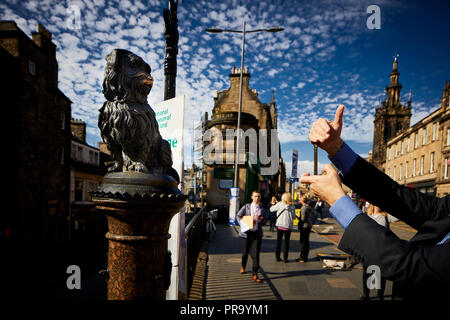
(139, 208)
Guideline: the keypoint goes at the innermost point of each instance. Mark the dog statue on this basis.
(127, 122)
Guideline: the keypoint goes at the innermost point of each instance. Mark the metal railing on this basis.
(194, 233)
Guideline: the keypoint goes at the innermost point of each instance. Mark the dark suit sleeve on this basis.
(404, 203)
(399, 260)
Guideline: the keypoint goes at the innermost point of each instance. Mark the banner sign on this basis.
(234, 205)
(294, 163)
(170, 117)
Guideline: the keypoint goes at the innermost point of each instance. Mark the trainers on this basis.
(256, 279)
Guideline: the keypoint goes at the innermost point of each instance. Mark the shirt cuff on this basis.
(344, 210)
(445, 239)
(344, 159)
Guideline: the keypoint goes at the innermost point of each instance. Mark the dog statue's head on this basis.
(127, 77)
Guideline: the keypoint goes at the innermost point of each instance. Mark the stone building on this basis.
(87, 170)
(39, 114)
(391, 118)
(419, 157)
(255, 115)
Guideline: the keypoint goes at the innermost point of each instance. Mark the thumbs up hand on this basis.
(326, 186)
(327, 134)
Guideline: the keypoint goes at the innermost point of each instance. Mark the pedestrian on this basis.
(304, 226)
(252, 238)
(382, 219)
(272, 215)
(285, 215)
(418, 267)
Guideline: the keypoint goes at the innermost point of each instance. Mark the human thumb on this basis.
(338, 117)
(328, 169)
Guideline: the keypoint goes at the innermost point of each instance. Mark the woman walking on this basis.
(285, 214)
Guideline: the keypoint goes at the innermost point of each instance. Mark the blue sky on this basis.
(325, 56)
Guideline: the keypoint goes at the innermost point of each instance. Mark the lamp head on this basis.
(214, 30)
(275, 29)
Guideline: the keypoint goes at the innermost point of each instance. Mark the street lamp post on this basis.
(215, 30)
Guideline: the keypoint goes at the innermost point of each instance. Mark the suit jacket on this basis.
(419, 267)
(245, 211)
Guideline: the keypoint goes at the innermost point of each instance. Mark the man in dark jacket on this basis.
(419, 267)
(252, 238)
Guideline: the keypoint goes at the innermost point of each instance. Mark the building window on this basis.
(388, 171)
(414, 167)
(446, 168)
(396, 150)
(78, 190)
(416, 140)
(448, 137)
(403, 149)
(96, 158)
(63, 120)
(73, 151)
(79, 153)
(406, 169)
(433, 138)
(424, 137)
(408, 144)
(91, 156)
(432, 162)
(92, 186)
(422, 162)
(400, 172)
(395, 176)
(31, 67)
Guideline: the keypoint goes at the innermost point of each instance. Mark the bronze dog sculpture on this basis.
(127, 122)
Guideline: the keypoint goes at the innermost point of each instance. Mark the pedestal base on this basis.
(139, 208)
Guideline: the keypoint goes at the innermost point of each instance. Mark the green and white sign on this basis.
(170, 117)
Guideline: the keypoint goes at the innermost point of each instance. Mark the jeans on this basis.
(287, 236)
(253, 242)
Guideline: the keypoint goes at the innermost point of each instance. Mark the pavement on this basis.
(217, 275)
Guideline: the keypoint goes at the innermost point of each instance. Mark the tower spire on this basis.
(393, 90)
(394, 65)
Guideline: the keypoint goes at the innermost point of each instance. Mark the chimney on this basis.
(78, 128)
(42, 37)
